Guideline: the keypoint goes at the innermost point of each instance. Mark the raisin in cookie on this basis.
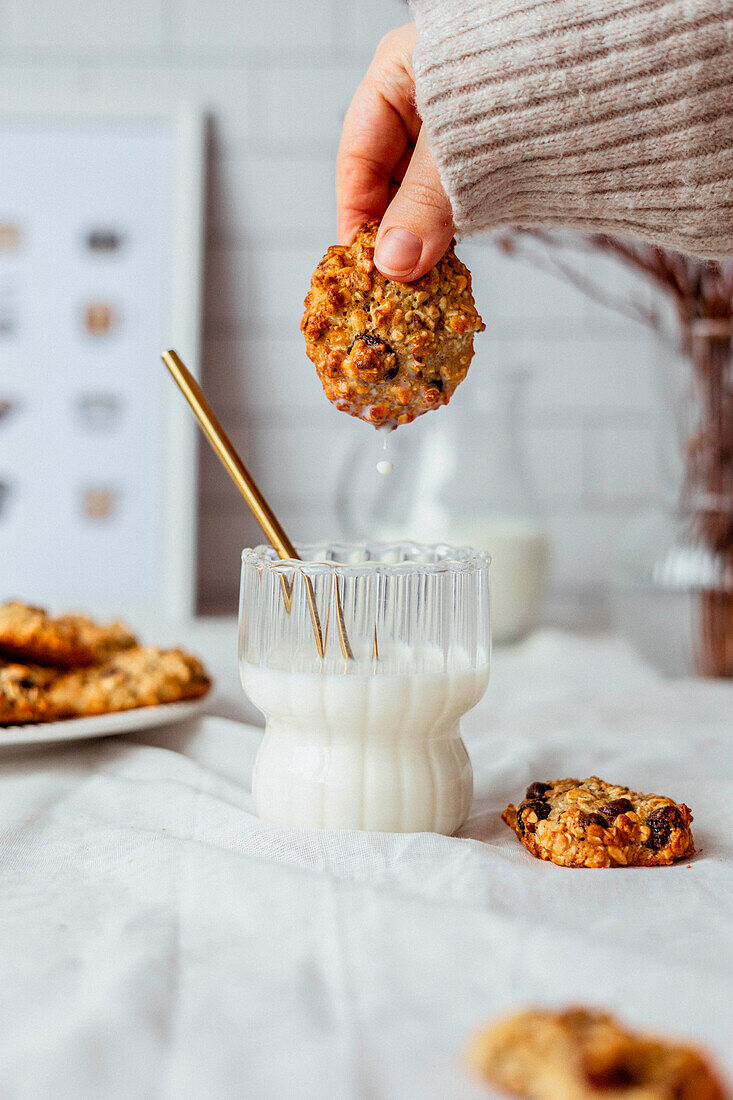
(140, 677)
(595, 824)
(31, 634)
(578, 1054)
(387, 352)
(24, 694)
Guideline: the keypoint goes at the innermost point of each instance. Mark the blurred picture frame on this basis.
(102, 210)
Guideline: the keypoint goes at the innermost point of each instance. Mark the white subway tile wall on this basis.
(276, 77)
(81, 28)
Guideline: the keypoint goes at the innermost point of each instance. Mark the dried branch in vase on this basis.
(701, 293)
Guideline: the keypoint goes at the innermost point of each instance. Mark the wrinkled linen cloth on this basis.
(158, 940)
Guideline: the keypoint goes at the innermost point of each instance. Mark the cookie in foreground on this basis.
(387, 352)
(598, 824)
(30, 634)
(24, 694)
(140, 677)
(580, 1054)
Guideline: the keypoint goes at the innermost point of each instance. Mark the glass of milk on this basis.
(371, 742)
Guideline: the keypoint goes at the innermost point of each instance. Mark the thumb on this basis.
(418, 224)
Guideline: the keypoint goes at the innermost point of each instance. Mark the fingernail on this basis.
(398, 251)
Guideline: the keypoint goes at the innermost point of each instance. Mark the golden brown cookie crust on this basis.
(142, 677)
(579, 1054)
(24, 694)
(31, 634)
(599, 824)
(388, 352)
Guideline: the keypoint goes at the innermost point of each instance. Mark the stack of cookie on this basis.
(70, 667)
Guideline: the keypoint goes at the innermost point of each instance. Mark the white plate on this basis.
(102, 725)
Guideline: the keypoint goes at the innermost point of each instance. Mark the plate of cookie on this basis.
(67, 677)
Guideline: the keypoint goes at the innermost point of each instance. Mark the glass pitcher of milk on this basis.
(459, 475)
(365, 736)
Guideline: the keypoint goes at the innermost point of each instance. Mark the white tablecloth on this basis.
(158, 940)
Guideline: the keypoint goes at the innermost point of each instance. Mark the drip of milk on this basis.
(384, 466)
(365, 745)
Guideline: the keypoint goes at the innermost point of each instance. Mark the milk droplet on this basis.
(385, 467)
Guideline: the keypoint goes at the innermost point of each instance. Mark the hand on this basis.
(385, 169)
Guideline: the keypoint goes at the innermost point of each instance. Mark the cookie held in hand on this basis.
(387, 352)
(597, 824)
(586, 1055)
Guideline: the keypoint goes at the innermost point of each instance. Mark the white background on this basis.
(277, 77)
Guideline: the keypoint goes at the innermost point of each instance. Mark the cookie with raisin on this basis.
(387, 352)
(31, 634)
(587, 1055)
(141, 677)
(24, 694)
(597, 824)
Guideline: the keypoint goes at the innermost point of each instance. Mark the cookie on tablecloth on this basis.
(141, 677)
(579, 1054)
(597, 824)
(30, 634)
(24, 694)
(385, 351)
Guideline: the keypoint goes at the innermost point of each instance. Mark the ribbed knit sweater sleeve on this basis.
(601, 115)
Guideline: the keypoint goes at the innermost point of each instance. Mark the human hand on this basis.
(385, 169)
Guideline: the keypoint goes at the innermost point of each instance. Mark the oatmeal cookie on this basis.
(31, 634)
(24, 694)
(596, 824)
(387, 352)
(139, 677)
(579, 1054)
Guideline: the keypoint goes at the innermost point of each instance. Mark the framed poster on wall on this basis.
(100, 270)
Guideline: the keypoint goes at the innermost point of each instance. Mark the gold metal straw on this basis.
(259, 507)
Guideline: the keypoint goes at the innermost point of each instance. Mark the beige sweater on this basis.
(612, 115)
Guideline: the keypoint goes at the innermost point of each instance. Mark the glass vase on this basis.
(673, 590)
(459, 476)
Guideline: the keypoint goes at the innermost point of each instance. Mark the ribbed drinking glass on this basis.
(371, 742)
